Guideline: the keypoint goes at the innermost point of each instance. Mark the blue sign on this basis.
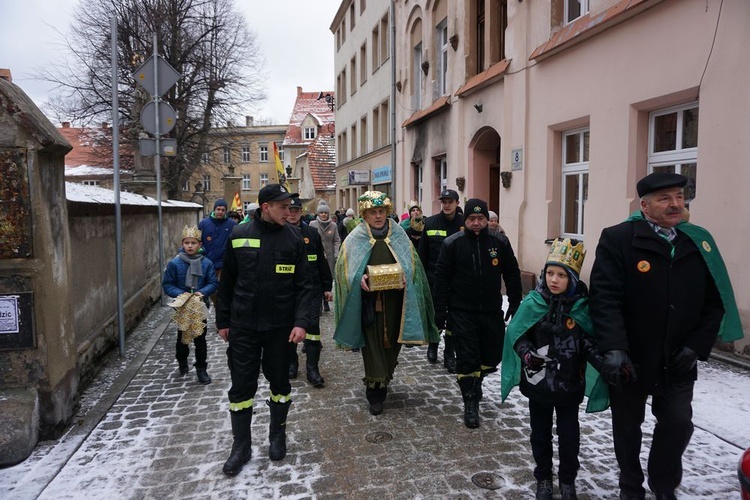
(381, 175)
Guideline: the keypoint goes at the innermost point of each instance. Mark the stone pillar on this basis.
(38, 352)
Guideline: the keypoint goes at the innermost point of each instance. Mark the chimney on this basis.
(248, 121)
(5, 74)
(299, 91)
(65, 124)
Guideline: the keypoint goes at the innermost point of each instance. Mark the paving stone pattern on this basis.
(166, 436)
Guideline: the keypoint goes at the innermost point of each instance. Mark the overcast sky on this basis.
(293, 35)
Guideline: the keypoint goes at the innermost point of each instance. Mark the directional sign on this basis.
(167, 118)
(144, 75)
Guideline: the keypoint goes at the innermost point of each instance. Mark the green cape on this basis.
(731, 327)
(417, 313)
(532, 309)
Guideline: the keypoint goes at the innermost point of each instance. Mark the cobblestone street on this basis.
(166, 436)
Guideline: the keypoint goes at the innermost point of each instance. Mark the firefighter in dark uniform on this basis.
(264, 303)
(436, 229)
(320, 273)
(468, 295)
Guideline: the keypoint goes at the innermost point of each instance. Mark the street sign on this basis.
(516, 159)
(167, 118)
(147, 147)
(144, 75)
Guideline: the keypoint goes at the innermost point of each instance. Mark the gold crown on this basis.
(374, 199)
(191, 232)
(566, 254)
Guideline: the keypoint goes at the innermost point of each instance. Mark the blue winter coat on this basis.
(173, 282)
(215, 234)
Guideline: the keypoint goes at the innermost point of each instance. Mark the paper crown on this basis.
(374, 199)
(566, 254)
(191, 232)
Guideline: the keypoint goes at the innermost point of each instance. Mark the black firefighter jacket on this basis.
(469, 271)
(436, 229)
(649, 303)
(265, 283)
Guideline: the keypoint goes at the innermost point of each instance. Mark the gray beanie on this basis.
(323, 207)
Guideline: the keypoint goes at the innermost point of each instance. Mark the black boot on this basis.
(468, 387)
(241, 449)
(544, 489)
(277, 429)
(293, 360)
(313, 357)
(568, 491)
(432, 352)
(376, 396)
(449, 354)
(203, 377)
(184, 368)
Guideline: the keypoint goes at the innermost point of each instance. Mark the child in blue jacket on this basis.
(191, 277)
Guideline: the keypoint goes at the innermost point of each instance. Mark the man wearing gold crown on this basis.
(374, 318)
(660, 294)
(191, 276)
(469, 274)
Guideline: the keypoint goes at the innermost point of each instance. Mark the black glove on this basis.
(683, 360)
(510, 313)
(440, 319)
(617, 369)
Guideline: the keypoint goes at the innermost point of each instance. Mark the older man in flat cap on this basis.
(659, 292)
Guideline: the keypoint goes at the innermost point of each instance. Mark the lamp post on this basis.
(330, 100)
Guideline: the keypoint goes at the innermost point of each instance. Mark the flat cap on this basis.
(658, 181)
(448, 193)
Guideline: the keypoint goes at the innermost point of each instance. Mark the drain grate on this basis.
(379, 437)
(487, 480)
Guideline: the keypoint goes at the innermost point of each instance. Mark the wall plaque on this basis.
(16, 321)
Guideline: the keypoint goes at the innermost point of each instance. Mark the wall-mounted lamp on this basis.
(461, 183)
(506, 176)
(425, 67)
(288, 171)
(478, 107)
(330, 100)
(453, 41)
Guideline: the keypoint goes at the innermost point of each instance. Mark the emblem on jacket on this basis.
(493, 252)
(644, 266)
(706, 246)
(307, 241)
(570, 323)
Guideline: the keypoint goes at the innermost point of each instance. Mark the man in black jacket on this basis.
(320, 273)
(468, 295)
(264, 303)
(436, 229)
(656, 311)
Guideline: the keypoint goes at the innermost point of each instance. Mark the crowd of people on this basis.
(659, 298)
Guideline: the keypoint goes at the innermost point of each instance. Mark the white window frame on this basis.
(309, 133)
(245, 157)
(206, 158)
(281, 152)
(206, 180)
(420, 183)
(186, 185)
(246, 182)
(263, 153)
(418, 77)
(246, 206)
(578, 169)
(227, 155)
(90, 183)
(676, 160)
(442, 60)
(443, 174)
(263, 180)
(584, 9)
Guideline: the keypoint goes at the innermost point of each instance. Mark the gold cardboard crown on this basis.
(191, 232)
(563, 252)
(374, 199)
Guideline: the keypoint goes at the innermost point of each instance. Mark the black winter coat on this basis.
(320, 271)
(265, 283)
(558, 337)
(436, 229)
(469, 273)
(649, 303)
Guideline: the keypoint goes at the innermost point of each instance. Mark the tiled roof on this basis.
(321, 159)
(92, 146)
(307, 103)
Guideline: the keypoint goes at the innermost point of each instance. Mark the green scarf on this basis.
(417, 316)
(532, 309)
(731, 327)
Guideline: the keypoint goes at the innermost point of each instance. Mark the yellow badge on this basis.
(570, 323)
(494, 262)
(208, 238)
(644, 266)
(706, 246)
(284, 268)
(307, 240)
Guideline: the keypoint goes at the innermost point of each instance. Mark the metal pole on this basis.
(116, 171)
(157, 166)
(394, 175)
